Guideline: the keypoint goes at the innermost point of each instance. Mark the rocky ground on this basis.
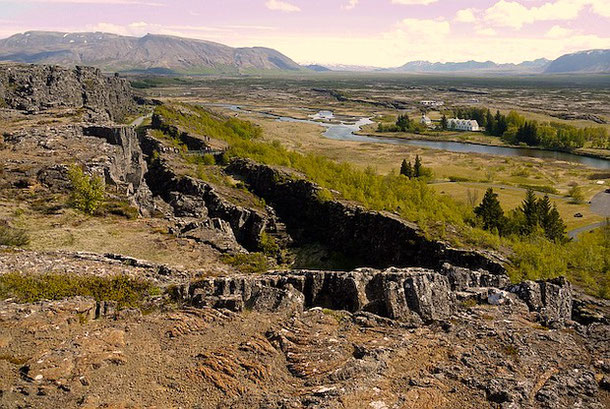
(480, 352)
(443, 328)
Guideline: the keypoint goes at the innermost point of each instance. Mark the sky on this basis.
(381, 33)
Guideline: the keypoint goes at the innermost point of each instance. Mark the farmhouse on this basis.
(425, 120)
(463, 124)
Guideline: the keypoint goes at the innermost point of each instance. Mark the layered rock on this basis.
(190, 197)
(379, 239)
(39, 87)
(413, 296)
(126, 168)
(551, 299)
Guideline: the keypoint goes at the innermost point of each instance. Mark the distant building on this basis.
(425, 120)
(432, 103)
(463, 124)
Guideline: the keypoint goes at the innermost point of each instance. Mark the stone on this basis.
(551, 299)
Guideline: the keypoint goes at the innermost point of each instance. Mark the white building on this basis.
(432, 103)
(425, 120)
(463, 124)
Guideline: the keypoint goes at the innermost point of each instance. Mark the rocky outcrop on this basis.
(379, 239)
(551, 299)
(190, 197)
(126, 169)
(191, 142)
(36, 88)
(413, 296)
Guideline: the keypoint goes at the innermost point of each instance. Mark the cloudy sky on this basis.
(363, 32)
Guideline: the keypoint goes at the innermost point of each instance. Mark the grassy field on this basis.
(512, 197)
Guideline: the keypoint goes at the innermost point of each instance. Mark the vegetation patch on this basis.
(544, 189)
(87, 192)
(250, 263)
(10, 236)
(126, 291)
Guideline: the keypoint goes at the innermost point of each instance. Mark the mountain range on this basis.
(151, 53)
(473, 66)
(165, 54)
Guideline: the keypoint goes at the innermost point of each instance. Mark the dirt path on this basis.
(138, 121)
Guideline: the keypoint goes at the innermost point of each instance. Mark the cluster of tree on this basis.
(416, 170)
(477, 113)
(515, 129)
(403, 124)
(534, 214)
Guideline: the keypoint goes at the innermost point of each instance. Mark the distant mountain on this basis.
(592, 61)
(351, 68)
(151, 53)
(536, 66)
(317, 68)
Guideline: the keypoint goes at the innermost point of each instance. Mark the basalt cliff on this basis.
(412, 323)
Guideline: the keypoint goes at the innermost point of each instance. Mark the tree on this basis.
(444, 123)
(490, 211)
(554, 227)
(530, 210)
(576, 194)
(544, 209)
(403, 122)
(406, 169)
(528, 133)
(418, 168)
(490, 123)
(501, 124)
(87, 192)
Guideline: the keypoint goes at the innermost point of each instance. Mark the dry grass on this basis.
(146, 239)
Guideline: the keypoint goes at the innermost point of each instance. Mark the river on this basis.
(345, 130)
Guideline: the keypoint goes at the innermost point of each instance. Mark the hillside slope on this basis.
(152, 53)
(592, 61)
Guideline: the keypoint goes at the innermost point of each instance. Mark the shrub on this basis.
(208, 159)
(576, 194)
(268, 245)
(538, 188)
(126, 291)
(119, 208)
(248, 263)
(10, 236)
(87, 192)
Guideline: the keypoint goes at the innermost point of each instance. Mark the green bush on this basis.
(248, 263)
(87, 192)
(10, 236)
(119, 208)
(126, 291)
(538, 188)
(576, 195)
(268, 245)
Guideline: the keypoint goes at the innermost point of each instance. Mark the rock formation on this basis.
(379, 239)
(35, 88)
